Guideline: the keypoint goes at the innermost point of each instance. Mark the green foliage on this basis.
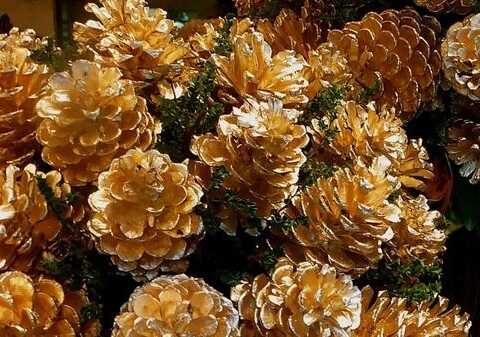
(285, 222)
(269, 259)
(89, 312)
(57, 205)
(231, 278)
(313, 170)
(194, 112)
(369, 92)
(414, 281)
(222, 42)
(55, 57)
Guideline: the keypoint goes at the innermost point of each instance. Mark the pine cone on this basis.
(35, 308)
(89, 118)
(417, 236)
(396, 51)
(460, 51)
(177, 306)
(384, 316)
(261, 147)
(349, 216)
(21, 84)
(252, 71)
(27, 224)
(464, 148)
(143, 213)
(298, 300)
(362, 132)
(78, 301)
(138, 40)
(460, 7)
(327, 66)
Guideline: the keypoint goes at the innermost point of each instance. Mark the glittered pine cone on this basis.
(261, 147)
(395, 51)
(362, 131)
(417, 236)
(348, 217)
(89, 117)
(143, 213)
(252, 70)
(461, 7)
(464, 148)
(27, 224)
(176, 306)
(460, 55)
(21, 85)
(385, 316)
(35, 308)
(138, 40)
(298, 300)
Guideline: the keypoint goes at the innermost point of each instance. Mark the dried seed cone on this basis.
(143, 213)
(252, 70)
(349, 216)
(396, 50)
(461, 7)
(177, 306)
(298, 300)
(261, 147)
(35, 308)
(90, 117)
(27, 225)
(460, 54)
(417, 236)
(21, 84)
(363, 132)
(131, 36)
(385, 316)
(464, 148)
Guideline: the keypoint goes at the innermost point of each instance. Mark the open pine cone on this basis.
(35, 308)
(252, 70)
(21, 85)
(461, 7)
(460, 55)
(261, 147)
(464, 148)
(298, 300)
(384, 316)
(349, 217)
(395, 51)
(176, 306)
(143, 213)
(138, 40)
(27, 224)
(90, 117)
(417, 236)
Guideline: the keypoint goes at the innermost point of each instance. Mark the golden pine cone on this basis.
(35, 308)
(21, 84)
(326, 66)
(253, 71)
(461, 7)
(460, 57)
(78, 300)
(90, 117)
(138, 40)
(349, 217)
(396, 51)
(385, 316)
(17, 38)
(417, 236)
(298, 300)
(27, 224)
(464, 148)
(292, 32)
(414, 169)
(260, 145)
(363, 132)
(177, 306)
(143, 213)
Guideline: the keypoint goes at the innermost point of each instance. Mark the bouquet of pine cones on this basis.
(242, 176)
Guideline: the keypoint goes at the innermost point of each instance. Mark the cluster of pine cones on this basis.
(90, 131)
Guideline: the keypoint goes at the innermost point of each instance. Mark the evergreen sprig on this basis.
(313, 170)
(57, 205)
(194, 112)
(223, 45)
